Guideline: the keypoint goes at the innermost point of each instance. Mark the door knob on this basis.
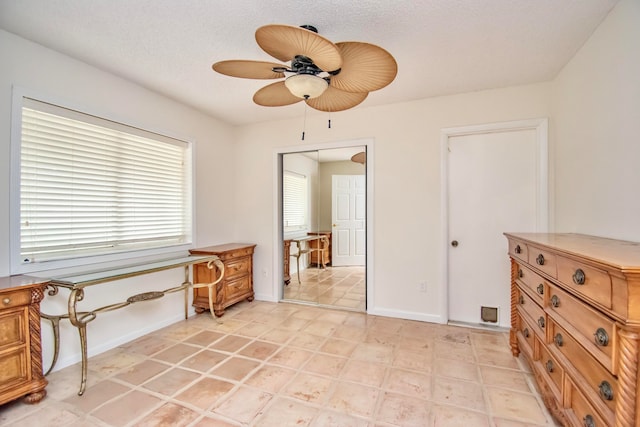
(454, 243)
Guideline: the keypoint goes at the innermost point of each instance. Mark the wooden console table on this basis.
(20, 341)
(77, 282)
(304, 245)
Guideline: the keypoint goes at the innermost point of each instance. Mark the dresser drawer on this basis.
(603, 387)
(553, 371)
(237, 287)
(595, 331)
(14, 368)
(543, 260)
(13, 325)
(582, 412)
(533, 282)
(519, 250)
(535, 314)
(237, 267)
(588, 281)
(15, 298)
(527, 337)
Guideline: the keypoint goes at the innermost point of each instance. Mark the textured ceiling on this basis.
(442, 47)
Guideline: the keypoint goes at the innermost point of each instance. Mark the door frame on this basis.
(278, 247)
(541, 127)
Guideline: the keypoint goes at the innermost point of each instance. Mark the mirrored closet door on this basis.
(324, 227)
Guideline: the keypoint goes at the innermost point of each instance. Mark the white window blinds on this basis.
(295, 201)
(91, 186)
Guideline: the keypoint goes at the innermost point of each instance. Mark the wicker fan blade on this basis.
(284, 42)
(365, 67)
(336, 100)
(248, 69)
(275, 95)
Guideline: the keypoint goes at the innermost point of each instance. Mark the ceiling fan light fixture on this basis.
(306, 86)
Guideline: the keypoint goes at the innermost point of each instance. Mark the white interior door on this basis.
(348, 213)
(493, 187)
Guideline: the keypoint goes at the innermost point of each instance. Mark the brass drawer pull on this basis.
(6, 301)
(541, 322)
(606, 392)
(541, 289)
(601, 337)
(555, 301)
(540, 259)
(579, 277)
(518, 250)
(588, 421)
(526, 332)
(549, 366)
(521, 300)
(558, 340)
(520, 273)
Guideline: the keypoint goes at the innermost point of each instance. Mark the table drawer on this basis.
(585, 280)
(237, 267)
(535, 313)
(533, 282)
(543, 260)
(603, 387)
(237, 287)
(596, 332)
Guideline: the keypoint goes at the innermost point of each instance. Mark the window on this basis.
(89, 186)
(296, 202)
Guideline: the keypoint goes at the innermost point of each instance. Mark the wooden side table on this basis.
(20, 341)
(237, 283)
(320, 249)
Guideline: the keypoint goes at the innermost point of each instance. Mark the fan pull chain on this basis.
(329, 120)
(304, 123)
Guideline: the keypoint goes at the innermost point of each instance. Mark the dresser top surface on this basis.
(218, 249)
(10, 282)
(621, 254)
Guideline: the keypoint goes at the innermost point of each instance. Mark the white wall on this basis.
(51, 74)
(596, 127)
(407, 185)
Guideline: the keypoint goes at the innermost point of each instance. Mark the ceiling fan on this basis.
(327, 76)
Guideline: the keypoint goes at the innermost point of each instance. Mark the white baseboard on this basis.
(408, 315)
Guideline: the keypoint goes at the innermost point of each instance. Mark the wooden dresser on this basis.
(20, 343)
(320, 258)
(237, 283)
(575, 315)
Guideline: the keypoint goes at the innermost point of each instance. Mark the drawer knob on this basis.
(549, 366)
(541, 322)
(520, 273)
(540, 259)
(521, 300)
(558, 340)
(541, 289)
(518, 250)
(606, 392)
(601, 337)
(555, 301)
(526, 332)
(588, 421)
(6, 301)
(579, 277)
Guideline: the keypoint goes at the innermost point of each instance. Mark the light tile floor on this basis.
(342, 287)
(282, 364)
